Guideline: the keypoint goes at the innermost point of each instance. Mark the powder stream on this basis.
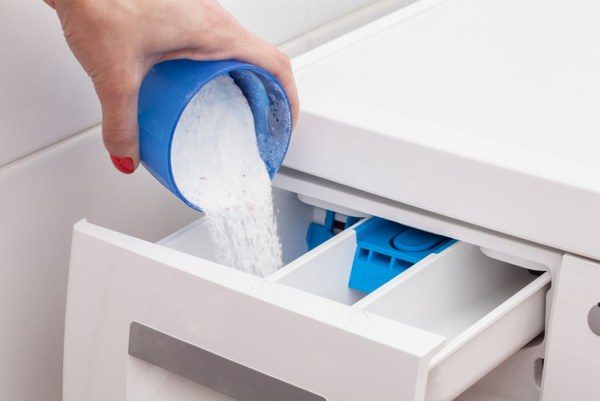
(217, 166)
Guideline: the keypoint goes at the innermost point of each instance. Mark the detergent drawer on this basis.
(157, 321)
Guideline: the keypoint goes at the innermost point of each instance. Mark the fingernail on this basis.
(123, 164)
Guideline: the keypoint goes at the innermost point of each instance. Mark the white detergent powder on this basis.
(217, 166)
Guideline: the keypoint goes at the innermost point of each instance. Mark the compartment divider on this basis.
(325, 270)
(406, 275)
(310, 257)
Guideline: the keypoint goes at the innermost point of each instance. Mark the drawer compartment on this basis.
(486, 309)
(325, 271)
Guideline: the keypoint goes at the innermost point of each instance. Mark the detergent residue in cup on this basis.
(216, 163)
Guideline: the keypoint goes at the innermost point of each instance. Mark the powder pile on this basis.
(217, 166)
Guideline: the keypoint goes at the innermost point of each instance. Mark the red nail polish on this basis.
(123, 164)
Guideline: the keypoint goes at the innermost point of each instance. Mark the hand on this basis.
(118, 41)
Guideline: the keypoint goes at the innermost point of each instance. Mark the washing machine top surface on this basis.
(486, 111)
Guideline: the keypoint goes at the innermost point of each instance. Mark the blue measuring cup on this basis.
(168, 88)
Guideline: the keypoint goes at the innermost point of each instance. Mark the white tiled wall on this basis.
(48, 182)
(44, 95)
(275, 20)
(320, 12)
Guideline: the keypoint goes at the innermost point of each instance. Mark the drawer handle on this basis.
(213, 371)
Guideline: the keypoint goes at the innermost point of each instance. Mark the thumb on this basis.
(119, 100)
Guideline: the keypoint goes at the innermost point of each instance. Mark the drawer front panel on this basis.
(309, 342)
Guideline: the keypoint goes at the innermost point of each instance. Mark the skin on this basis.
(118, 41)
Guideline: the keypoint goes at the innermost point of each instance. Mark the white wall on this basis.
(54, 172)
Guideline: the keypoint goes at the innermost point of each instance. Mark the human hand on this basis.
(118, 41)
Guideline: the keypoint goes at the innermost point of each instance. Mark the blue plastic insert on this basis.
(386, 249)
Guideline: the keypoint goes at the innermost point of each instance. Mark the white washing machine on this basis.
(476, 120)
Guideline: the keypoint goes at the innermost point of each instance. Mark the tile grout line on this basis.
(344, 19)
(48, 148)
(348, 18)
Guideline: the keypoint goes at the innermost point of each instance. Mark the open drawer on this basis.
(161, 321)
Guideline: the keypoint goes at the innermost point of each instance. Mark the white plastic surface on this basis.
(285, 333)
(450, 293)
(325, 272)
(426, 335)
(485, 308)
(516, 379)
(573, 353)
(480, 110)
(311, 341)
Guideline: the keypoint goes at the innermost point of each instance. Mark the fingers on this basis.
(119, 99)
(220, 37)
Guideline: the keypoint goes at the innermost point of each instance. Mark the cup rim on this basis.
(240, 67)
